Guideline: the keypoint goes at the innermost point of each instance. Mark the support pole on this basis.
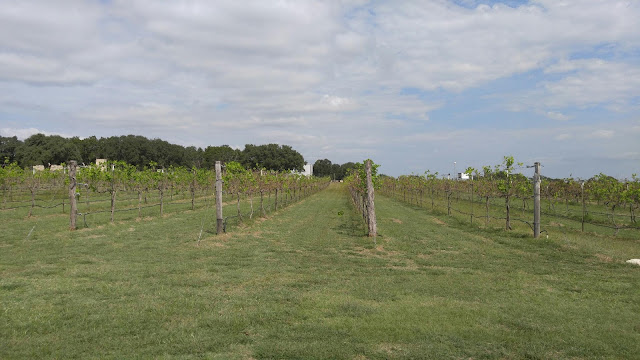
(583, 204)
(219, 217)
(536, 201)
(471, 202)
(72, 194)
(371, 210)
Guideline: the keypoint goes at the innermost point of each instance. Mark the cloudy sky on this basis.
(414, 85)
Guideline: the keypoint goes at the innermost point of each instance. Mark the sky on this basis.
(414, 85)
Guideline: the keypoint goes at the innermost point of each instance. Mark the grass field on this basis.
(307, 283)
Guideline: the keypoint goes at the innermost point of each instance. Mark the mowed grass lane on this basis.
(307, 283)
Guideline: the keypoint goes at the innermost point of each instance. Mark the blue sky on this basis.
(414, 85)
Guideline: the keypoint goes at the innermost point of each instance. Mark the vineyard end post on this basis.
(219, 218)
(371, 210)
(536, 201)
(583, 204)
(72, 194)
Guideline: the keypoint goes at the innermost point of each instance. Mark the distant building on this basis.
(308, 170)
(463, 176)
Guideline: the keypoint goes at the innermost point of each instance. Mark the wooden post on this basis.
(583, 205)
(72, 194)
(471, 202)
(536, 201)
(371, 210)
(220, 220)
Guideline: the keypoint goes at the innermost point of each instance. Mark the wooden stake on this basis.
(583, 205)
(536, 201)
(220, 219)
(371, 210)
(72, 194)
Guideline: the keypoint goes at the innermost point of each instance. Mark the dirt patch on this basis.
(408, 264)
(438, 221)
(390, 349)
(397, 221)
(83, 229)
(553, 223)
(568, 247)
(216, 241)
(54, 215)
(95, 236)
(604, 258)
(378, 252)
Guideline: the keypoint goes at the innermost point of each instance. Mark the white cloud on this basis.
(602, 134)
(594, 82)
(561, 137)
(557, 116)
(23, 133)
(582, 84)
(144, 115)
(39, 70)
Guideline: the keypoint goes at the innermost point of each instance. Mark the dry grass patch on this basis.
(390, 349)
(377, 252)
(95, 236)
(407, 264)
(438, 221)
(604, 258)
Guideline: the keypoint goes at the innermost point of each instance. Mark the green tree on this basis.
(272, 157)
(322, 168)
(222, 153)
(8, 147)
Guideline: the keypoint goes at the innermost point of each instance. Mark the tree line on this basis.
(324, 167)
(40, 149)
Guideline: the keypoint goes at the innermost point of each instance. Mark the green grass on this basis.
(307, 283)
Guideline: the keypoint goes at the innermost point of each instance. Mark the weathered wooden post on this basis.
(220, 220)
(72, 194)
(371, 210)
(471, 216)
(536, 201)
(583, 204)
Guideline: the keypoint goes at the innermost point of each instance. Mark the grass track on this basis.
(307, 283)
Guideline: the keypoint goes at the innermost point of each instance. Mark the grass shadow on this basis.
(351, 222)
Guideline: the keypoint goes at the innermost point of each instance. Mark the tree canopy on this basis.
(272, 157)
(324, 167)
(40, 149)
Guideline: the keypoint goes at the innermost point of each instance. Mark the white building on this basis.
(308, 170)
